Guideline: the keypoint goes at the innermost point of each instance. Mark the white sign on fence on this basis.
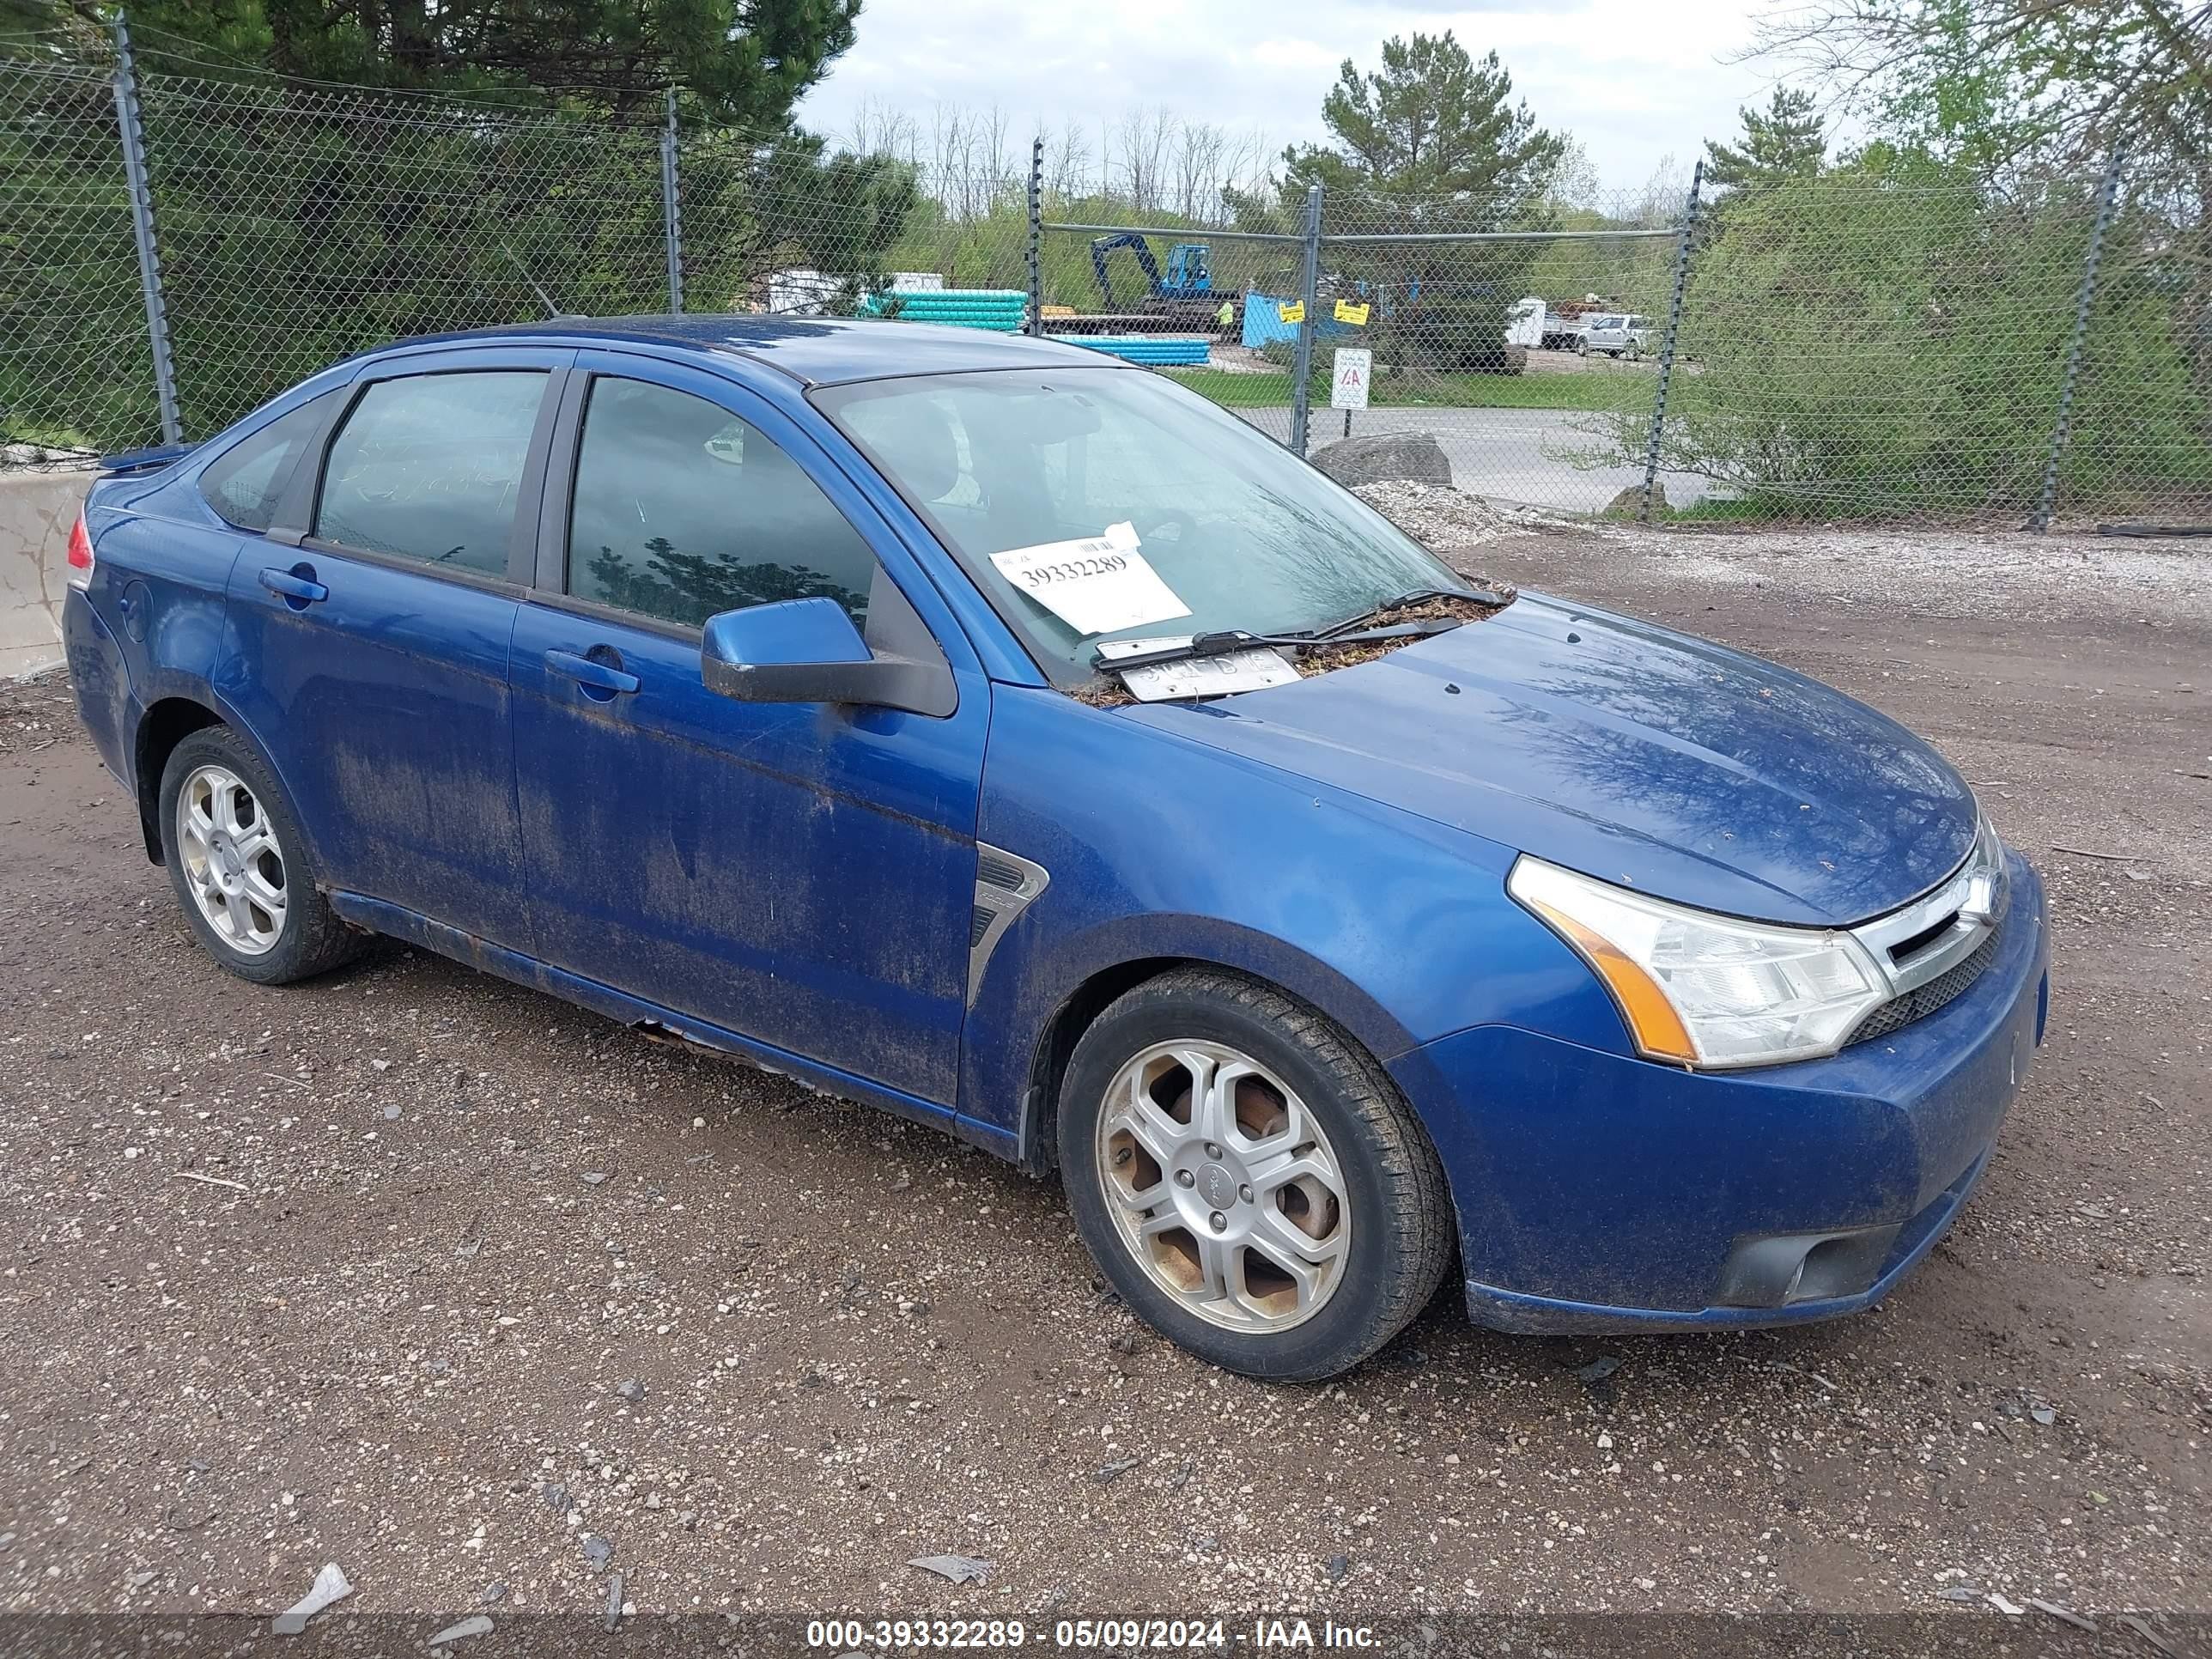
(1347, 386)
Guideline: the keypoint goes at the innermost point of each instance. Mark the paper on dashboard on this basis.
(1096, 585)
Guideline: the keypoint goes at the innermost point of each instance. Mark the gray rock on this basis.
(630, 1390)
(1629, 504)
(960, 1569)
(597, 1551)
(330, 1586)
(1364, 460)
(614, 1603)
(475, 1624)
(493, 1592)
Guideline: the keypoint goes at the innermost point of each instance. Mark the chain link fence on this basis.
(76, 365)
(1860, 345)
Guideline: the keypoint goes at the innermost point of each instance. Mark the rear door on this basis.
(372, 633)
(801, 874)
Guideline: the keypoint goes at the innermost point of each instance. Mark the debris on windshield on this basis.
(1324, 655)
(1304, 658)
(1106, 691)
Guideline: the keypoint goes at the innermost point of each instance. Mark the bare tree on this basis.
(1659, 203)
(879, 129)
(1195, 167)
(1068, 161)
(1142, 142)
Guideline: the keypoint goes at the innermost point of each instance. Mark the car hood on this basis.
(1627, 751)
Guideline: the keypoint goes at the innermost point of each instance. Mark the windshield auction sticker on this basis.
(1098, 584)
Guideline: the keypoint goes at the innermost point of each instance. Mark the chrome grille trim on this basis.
(1972, 899)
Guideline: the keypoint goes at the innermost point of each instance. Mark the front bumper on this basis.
(1601, 1193)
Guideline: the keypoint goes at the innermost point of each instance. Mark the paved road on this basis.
(1507, 454)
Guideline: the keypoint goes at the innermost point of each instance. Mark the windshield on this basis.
(1027, 464)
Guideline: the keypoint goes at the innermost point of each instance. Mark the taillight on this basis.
(80, 555)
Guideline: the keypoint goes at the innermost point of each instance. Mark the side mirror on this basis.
(808, 651)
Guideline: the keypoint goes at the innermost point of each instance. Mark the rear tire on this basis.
(241, 864)
(1248, 1178)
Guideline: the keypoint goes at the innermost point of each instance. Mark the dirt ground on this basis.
(362, 1272)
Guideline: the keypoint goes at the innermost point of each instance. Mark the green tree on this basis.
(737, 62)
(2054, 82)
(1786, 140)
(1431, 122)
(1889, 337)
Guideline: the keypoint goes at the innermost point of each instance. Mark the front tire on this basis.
(1249, 1179)
(241, 864)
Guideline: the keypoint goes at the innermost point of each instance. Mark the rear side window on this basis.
(246, 482)
(682, 510)
(429, 468)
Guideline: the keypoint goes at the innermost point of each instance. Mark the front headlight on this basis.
(1708, 990)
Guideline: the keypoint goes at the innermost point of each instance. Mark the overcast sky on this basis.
(1635, 80)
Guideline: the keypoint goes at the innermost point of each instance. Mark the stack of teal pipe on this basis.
(1179, 350)
(1000, 309)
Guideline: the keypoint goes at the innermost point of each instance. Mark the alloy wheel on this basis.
(234, 865)
(1223, 1186)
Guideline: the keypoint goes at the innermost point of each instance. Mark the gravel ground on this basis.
(485, 1298)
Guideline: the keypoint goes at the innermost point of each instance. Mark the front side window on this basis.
(429, 467)
(245, 483)
(1243, 533)
(682, 510)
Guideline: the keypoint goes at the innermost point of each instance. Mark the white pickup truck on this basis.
(1617, 334)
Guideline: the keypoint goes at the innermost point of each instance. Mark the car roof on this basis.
(812, 350)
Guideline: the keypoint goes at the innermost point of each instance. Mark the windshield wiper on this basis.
(1484, 596)
(1228, 641)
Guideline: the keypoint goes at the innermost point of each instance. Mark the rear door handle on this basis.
(302, 590)
(595, 675)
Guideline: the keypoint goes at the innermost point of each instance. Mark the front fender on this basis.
(1157, 847)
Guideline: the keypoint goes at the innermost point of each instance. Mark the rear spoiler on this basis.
(144, 460)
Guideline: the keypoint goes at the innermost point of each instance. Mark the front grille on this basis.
(1925, 1000)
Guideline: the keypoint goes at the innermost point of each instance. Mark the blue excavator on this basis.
(1182, 296)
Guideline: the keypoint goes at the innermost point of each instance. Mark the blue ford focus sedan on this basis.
(1002, 735)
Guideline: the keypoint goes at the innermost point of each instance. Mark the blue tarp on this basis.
(1263, 321)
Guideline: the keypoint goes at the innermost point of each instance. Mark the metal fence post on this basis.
(1302, 369)
(1666, 345)
(2108, 190)
(1033, 317)
(671, 212)
(141, 230)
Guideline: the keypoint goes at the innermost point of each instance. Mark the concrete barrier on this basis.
(37, 508)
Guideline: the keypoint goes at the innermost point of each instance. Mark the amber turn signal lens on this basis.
(1651, 1019)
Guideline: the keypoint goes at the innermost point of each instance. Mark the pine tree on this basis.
(1431, 122)
(1785, 141)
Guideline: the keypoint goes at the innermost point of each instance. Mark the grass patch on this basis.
(1749, 509)
(1590, 391)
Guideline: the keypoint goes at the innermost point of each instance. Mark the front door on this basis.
(801, 874)
(378, 643)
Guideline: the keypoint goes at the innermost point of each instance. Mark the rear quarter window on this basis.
(245, 483)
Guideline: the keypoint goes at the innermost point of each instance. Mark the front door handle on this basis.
(593, 676)
(296, 587)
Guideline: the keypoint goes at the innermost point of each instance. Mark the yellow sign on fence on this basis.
(1348, 312)
(1293, 313)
